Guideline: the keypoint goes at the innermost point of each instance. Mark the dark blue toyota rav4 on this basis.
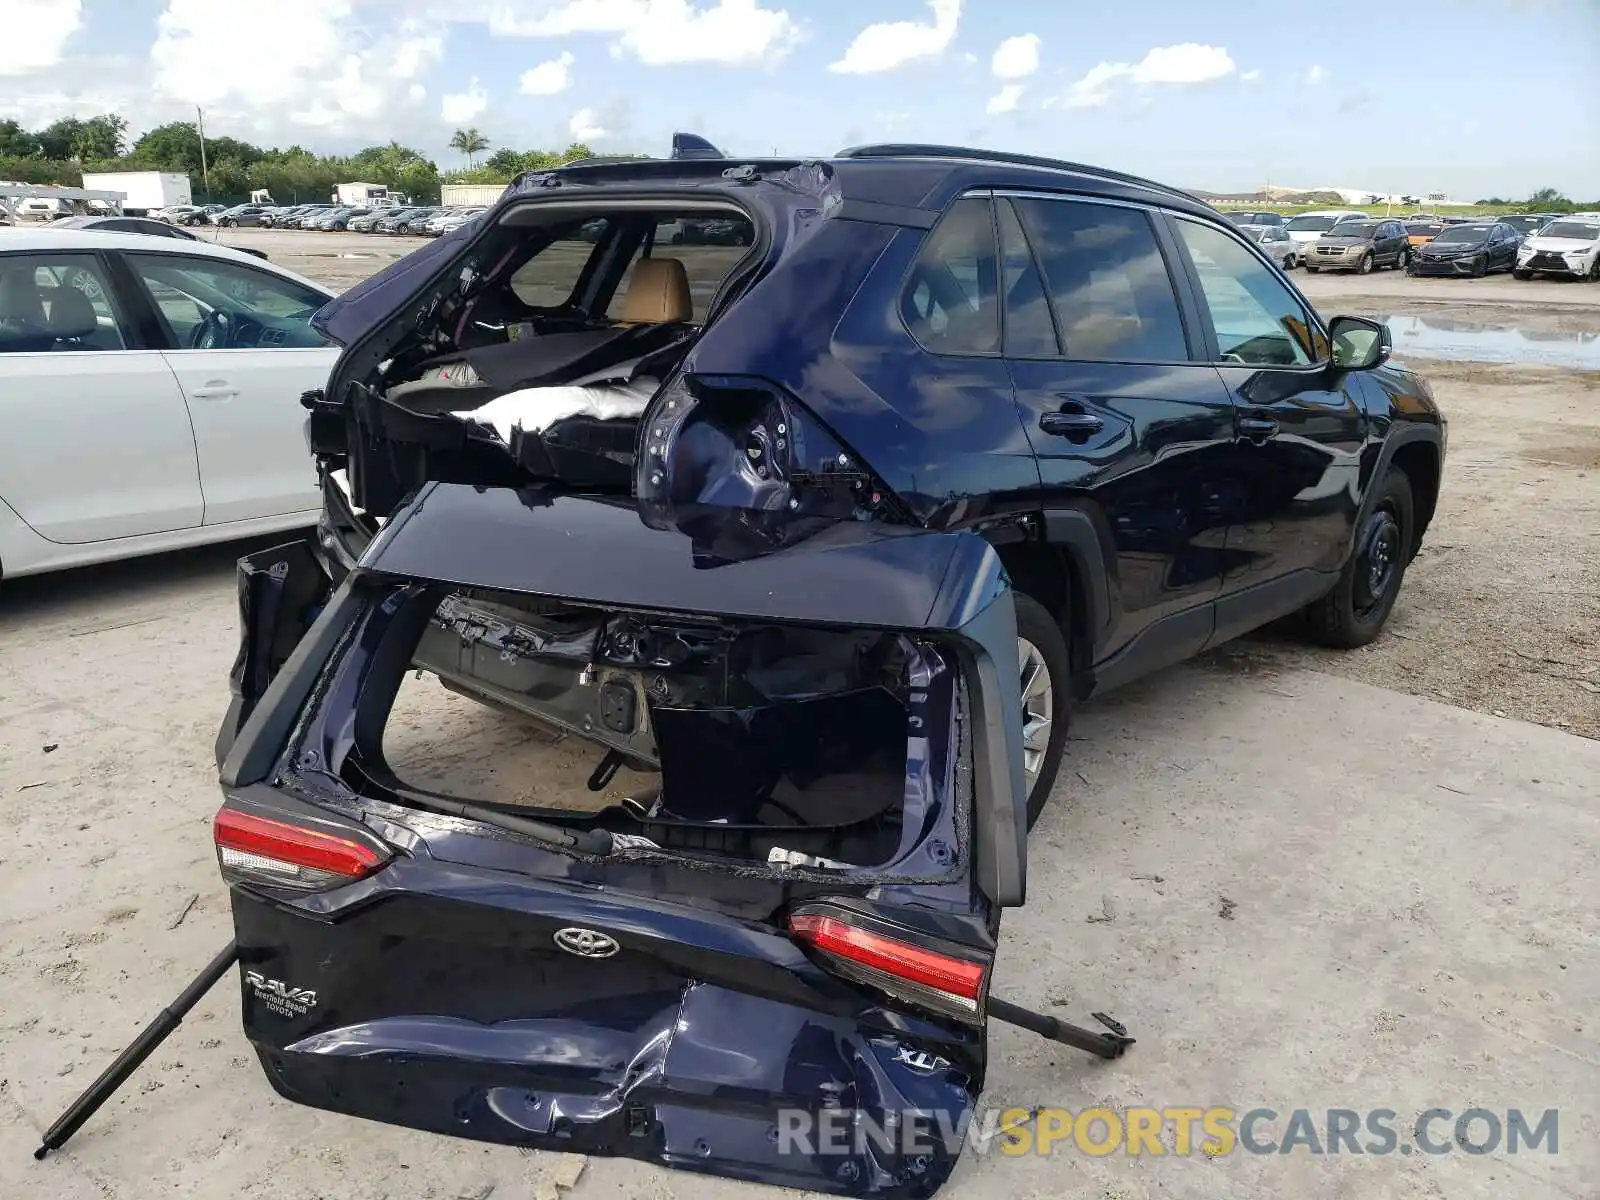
(798, 545)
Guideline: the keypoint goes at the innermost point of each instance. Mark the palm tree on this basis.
(470, 142)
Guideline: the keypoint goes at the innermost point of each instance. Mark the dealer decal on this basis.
(279, 997)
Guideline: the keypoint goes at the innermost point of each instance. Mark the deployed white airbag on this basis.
(535, 409)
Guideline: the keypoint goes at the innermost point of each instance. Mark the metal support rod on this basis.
(1110, 1044)
(126, 1063)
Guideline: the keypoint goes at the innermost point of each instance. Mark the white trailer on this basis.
(362, 195)
(142, 191)
(470, 195)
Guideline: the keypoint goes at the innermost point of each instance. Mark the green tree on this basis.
(1548, 199)
(56, 138)
(470, 143)
(99, 138)
(17, 142)
(171, 147)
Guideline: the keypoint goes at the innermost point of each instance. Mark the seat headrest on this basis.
(72, 314)
(658, 292)
(19, 297)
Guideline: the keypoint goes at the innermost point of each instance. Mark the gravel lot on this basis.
(1298, 885)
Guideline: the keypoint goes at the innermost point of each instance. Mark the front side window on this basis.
(1107, 281)
(55, 302)
(212, 304)
(1256, 318)
(950, 302)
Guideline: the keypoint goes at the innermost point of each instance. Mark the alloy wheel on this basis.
(1038, 710)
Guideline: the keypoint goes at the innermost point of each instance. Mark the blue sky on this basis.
(1470, 97)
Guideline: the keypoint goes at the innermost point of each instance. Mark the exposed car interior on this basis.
(538, 366)
(39, 313)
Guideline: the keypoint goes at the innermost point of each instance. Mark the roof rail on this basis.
(919, 150)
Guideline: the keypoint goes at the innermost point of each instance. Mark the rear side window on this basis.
(1106, 280)
(950, 303)
(548, 278)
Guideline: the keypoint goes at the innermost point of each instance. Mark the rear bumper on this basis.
(685, 1075)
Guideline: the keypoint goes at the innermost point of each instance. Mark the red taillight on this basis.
(261, 850)
(942, 981)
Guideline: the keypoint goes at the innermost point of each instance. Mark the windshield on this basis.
(1310, 224)
(1354, 229)
(1424, 229)
(1578, 230)
(1464, 233)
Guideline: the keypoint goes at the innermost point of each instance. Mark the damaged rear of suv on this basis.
(717, 811)
(645, 748)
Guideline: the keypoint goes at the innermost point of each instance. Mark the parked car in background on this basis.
(415, 225)
(1528, 224)
(148, 226)
(1276, 243)
(453, 221)
(165, 370)
(1472, 249)
(363, 222)
(239, 214)
(1360, 246)
(1259, 217)
(175, 214)
(1420, 233)
(1567, 246)
(1309, 226)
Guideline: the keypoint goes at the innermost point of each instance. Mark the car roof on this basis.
(47, 239)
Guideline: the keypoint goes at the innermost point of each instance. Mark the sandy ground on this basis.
(1298, 889)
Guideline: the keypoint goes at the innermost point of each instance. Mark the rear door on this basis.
(1124, 416)
(243, 350)
(1299, 435)
(97, 443)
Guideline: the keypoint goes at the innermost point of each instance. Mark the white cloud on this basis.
(1317, 74)
(417, 92)
(969, 58)
(313, 64)
(661, 32)
(548, 78)
(1016, 57)
(1094, 89)
(459, 107)
(1188, 63)
(585, 125)
(1185, 64)
(1251, 76)
(891, 44)
(37, 31)
(1005, 100)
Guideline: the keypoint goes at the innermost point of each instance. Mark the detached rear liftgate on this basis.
(577, 991)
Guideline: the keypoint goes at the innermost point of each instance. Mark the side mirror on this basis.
(1359, 344)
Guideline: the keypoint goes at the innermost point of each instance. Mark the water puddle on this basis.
(1493, 342)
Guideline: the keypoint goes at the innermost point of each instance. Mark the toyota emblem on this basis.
(586, 943)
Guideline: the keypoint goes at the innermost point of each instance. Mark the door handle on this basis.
(1257, 429)
(1068, 424)
(215, 389)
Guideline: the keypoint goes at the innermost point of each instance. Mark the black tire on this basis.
(1310, 270)
(1366, 264)
(1521, 274)
(1036, 626)
(1354, 612)
(1480, 268)
(231, 223)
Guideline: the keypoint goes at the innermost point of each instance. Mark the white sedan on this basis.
(149, 390)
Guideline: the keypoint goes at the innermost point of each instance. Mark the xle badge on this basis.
(279, 997)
